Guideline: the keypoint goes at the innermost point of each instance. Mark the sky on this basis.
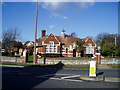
(83, 18)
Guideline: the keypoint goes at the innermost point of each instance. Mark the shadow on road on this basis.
(27, 77)
(99, 73)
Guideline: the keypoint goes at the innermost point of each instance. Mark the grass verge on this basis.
(115, 66)
(8, 64)
(53, 66)
(75, 67)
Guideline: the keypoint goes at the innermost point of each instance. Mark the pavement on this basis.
(11, 66)
(78, 78)
(103, 67)
(100, 78)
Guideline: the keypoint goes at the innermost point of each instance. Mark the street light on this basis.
(35, 32)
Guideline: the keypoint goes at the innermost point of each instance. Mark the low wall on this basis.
(50, 61)
(11, 59)
(110, 61)
(71, 61)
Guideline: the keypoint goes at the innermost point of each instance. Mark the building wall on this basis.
(89, 40)
(68, 50)
(58, 49)
(51, 37)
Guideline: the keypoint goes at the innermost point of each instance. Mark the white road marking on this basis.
(63, 74)
(67, 79)
(70, 76)
(62, 78)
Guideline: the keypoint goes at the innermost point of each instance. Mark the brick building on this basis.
(64, 45)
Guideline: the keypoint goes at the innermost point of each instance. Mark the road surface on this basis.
(29, 77)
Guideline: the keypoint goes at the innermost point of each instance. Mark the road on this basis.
(28, 77)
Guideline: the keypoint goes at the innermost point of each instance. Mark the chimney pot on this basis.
(43, 33)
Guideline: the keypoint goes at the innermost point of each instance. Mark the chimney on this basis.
(63, 33)
(43, 33)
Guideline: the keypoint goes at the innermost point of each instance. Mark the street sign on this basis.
(92, 71)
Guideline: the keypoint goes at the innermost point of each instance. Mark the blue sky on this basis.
(86, 19)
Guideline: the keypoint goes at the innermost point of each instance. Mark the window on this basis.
(89, 49)
(51, 48)
(62, 50)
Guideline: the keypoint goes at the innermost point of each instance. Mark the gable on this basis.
(51, 37)
(89, 41)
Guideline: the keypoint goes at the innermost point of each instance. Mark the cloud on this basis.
(59, 16)
(56, 7)
(65, 17)
(52, 26)
(84, 5)
(60, 7)
(54, 15)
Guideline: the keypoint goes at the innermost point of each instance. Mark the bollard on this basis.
(92, 70)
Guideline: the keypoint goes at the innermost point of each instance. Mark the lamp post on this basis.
(115, 40)
(35, 32)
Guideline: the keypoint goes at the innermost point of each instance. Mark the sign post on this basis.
(92, 70)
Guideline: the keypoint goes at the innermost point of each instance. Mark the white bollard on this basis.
(92, 70)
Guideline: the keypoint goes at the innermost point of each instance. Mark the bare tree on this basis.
(9, 37)
(100, 37)
(73, 34)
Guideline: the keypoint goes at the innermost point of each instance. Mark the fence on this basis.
(110, 61)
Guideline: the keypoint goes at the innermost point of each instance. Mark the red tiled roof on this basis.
(39, 41)
(60, 39)
(67, 41)
(84, 39)
(70, 40)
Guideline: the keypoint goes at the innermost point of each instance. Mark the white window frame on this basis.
(51, 49)
(89, 49)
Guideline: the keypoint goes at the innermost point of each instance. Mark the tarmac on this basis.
(85, 77)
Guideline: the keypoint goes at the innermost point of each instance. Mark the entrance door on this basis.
(74, 53)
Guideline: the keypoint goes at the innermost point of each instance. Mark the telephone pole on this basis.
(35, 33)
